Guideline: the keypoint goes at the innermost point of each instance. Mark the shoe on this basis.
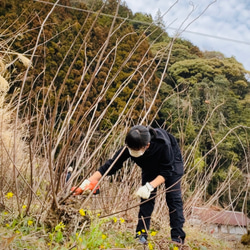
(178, 241)
(142, 239)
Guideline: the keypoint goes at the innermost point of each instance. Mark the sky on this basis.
(222, 25)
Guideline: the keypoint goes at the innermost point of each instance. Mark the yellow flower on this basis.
(59, 227)
(150, 246)
(176, 248)
(98, 215)
(115, 219)
(30, 222)
(122, 220)
(17, 232)
(102, 247)
(153, 233)
(9, 195)
(139, 233)
(104, 236)
(7, 225)
(82, 212)
(143, 230)
(24, 206)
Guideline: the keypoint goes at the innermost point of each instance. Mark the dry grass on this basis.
(33, 170)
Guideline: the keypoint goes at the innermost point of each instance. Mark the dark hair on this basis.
(138, 137)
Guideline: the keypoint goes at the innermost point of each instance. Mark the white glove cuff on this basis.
(149, 187)
(84, 184)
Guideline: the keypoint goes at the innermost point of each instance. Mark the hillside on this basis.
(74, 76)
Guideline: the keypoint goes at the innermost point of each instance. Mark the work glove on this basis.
(145, 191)
(86, 185)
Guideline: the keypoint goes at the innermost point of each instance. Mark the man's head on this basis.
(138, 140)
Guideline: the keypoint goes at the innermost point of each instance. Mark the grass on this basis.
(33, 164)
(107, 233)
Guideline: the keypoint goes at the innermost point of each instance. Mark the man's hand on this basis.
(76, 191)
(86, 185)
(80, 189)
(145, 191)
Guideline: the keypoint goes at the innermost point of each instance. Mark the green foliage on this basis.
(153, 29)
(71, 66)
(204, 98)
(211, 100)
(101, 234)
(200, 164)
(192, 71)
(57, 234)
(142, 18)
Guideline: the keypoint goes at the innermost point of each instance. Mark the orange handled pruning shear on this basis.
(91, 186)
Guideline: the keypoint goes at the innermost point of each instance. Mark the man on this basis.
(158, 154)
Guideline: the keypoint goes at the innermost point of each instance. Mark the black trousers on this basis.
(175, 205)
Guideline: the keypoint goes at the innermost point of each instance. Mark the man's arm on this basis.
(95, 177)
(157, 181)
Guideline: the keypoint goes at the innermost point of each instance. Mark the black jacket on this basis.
(163, 157)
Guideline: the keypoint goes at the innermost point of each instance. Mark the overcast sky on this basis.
(228, 20)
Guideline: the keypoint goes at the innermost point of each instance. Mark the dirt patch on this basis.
(165, 244)
(68, 214)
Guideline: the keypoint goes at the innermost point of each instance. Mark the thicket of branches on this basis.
(70, 92)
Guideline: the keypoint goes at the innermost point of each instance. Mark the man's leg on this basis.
(175, 205)
(144, 216)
